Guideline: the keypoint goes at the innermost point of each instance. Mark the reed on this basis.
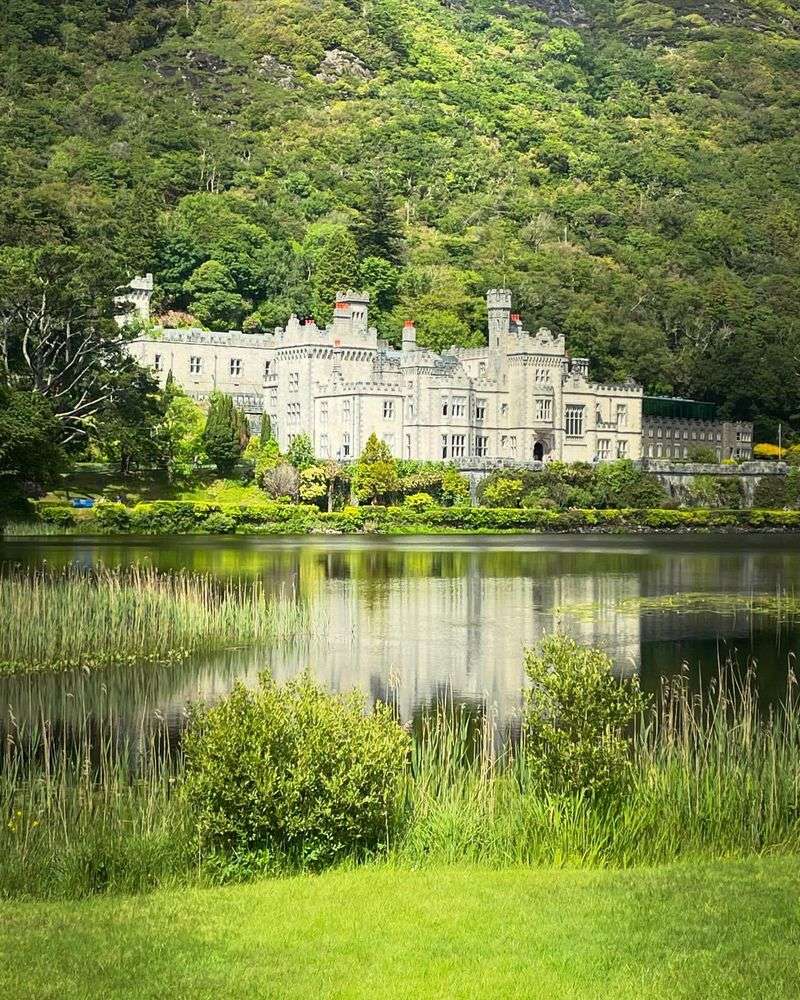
(712, 777)
(26, 529)
(95, 805)
(56, 620)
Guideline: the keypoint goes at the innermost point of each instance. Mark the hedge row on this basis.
(169, 517)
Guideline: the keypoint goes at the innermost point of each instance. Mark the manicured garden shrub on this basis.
(420, 502)
(59, 514)
(293, 773)
(577, 719)
(112, 516)
(219, 524)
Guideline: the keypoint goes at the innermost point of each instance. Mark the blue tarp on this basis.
(82, 502)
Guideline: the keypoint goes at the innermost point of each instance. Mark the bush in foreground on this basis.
(293, 773)
(577, 719)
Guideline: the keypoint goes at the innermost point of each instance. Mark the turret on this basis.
(355, 307)
(409, 336)
(498, 306)
(137, 294)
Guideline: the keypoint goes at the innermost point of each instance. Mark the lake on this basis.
(416, 619)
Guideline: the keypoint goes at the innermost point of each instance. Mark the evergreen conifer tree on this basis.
(266, 428)
(226, 434)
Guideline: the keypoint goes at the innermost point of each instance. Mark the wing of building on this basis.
(520, 397)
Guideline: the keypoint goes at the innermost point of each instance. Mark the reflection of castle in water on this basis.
(429, 615)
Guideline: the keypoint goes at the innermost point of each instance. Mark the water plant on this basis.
(77, 619)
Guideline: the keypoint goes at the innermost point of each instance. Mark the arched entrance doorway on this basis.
(538, 452)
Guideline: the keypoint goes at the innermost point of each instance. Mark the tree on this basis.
(317, 481)
(266, 428)
(127, 427)
(379, 233)
(331, 258)
(57, 334)
(180, 434)
(301, 454)
(225, 435)
(375, 475)
(31, 455)
(213, 296)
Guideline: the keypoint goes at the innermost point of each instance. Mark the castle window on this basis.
(694, 435)
(542, 375)
(273, 398)
(411, 409)
(323, 445)
(236, 367)
(481, 445)
(294, 381)
(444, 446)
(345, 445)
(544, 409)
(702, 435)
(346, 409)
(459, 406)
(266, 369)
(323, 412)
(574, 420)
(388, 440)
(622, 414)
(445, 403)
(195, 365)
(658, 451)
(659, 432)
(685, 452)
(513, 444)
(480, 409)
(293, 413)
(622, 449)
(388, 409)
(157, 365)
(668, 432)
(459, 445)
(481, 369)
(504, 409)
(604, 449)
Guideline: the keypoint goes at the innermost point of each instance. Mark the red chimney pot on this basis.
(408, 323)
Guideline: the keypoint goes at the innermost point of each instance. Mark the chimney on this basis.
(516, 323)
(409, 336)
(580, 366)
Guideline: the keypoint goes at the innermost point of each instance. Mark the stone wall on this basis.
(676, 477)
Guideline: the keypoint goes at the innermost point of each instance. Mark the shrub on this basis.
(775, 492)
(219, 524)
(58, 514)
(294, 773)
(503, 492)
(455, 488)
(282, 480)
(420, 502)
(768, 452)
(112, 516)
(701, 453)
(577, 719)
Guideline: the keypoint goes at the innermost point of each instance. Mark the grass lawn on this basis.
(706, 931)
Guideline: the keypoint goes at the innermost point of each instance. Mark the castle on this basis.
(520, 397)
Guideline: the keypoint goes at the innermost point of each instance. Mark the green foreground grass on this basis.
(728, 929)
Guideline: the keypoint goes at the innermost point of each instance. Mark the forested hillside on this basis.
(630, 168)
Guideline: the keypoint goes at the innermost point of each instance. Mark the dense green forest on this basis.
(630, 168)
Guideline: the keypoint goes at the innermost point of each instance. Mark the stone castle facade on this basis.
(519, 397)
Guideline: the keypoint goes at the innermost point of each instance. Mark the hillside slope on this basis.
(630, 169)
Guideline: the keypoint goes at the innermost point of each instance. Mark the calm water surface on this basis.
(412, 619)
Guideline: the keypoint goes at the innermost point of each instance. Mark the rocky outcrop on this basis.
(338, 63)
(277, 72)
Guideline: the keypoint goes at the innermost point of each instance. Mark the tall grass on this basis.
(711, 777)
(70, 619)
(27, 529)
(94, 806)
